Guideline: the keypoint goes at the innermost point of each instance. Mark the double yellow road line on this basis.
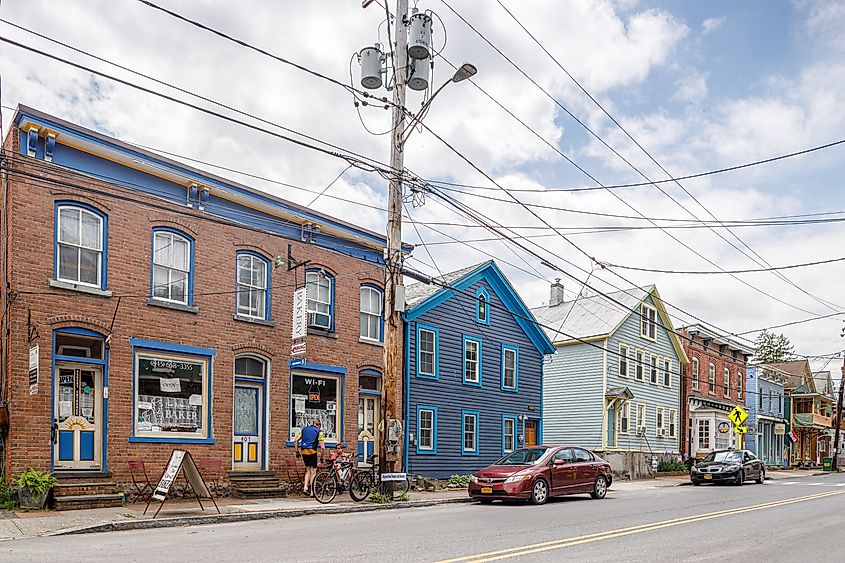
(621, 532)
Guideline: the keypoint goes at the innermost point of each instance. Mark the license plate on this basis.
(486, 490)
(708, 476)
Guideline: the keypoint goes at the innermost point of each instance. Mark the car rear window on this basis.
(523, 457)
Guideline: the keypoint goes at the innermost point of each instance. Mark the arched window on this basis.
(253, 286)
(81, 244)
(320, 292)
(482, 306)
(372, 321)
(173, 260)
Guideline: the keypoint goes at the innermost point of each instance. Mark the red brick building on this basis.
(149, 307)
(713, 385)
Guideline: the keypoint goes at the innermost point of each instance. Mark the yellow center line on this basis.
(608, 534)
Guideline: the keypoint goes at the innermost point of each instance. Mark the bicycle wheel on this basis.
(324, 487)
(359, 486)
(401, 487)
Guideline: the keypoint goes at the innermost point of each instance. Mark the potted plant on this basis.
(34, 487)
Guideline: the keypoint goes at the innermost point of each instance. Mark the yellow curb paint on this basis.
(609, 534)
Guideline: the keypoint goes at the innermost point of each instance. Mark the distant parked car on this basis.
(539, 472)
(728, 466)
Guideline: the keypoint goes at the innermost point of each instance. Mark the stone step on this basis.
(259, 492)
(79, 488)
(77, 502)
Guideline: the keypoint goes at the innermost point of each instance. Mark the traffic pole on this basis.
(838, 418)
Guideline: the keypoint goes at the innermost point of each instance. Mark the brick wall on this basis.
(129, 248)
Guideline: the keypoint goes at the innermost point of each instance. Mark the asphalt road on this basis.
(798, 520)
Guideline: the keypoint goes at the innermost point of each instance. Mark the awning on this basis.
(619, 393)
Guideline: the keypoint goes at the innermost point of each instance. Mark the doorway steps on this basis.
(255, 484)
(85, 489)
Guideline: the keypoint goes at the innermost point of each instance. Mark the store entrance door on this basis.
(78, 417)
(530, 433)
(368, 423)
(248, 425)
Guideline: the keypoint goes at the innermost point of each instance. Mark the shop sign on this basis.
(780, 429)
(33, 370)
(170, 385)
(299, 327)
(314, 396)
(394, 476)
(297, 348)
(724, 427)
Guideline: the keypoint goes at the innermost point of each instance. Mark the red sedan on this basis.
(539, 472)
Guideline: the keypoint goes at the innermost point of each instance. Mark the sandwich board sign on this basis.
(180, 459)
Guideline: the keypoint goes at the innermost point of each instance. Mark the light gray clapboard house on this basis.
(613, 384)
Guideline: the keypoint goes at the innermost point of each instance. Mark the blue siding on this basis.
(454, 319)
(766, 405)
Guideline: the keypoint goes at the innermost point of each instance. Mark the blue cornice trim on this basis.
(499, 283)
(171, 347)
(311, 366)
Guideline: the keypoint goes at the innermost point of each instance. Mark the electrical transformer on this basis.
(371, 59)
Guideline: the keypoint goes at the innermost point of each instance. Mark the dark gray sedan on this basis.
(728, 466)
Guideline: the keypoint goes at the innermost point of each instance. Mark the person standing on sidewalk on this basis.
(309, 440)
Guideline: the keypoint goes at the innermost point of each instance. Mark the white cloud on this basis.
(710, 25)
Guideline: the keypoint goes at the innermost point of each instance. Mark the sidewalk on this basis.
(17, 525)
(683, 480)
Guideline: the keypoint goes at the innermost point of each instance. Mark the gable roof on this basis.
(596, 317)
(422, 297)
(824, 383)
(798, 371)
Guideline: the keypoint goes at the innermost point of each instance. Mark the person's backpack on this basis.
(308, 441)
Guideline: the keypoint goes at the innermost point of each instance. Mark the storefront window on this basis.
(314, 397)
(171, 396)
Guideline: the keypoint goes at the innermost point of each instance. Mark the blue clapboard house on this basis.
(473, 372)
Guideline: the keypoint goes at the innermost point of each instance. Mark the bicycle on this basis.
(364, 481)
(326, 484)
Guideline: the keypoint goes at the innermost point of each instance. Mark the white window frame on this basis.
(648, 324)
(667, 373)
(703, 434)
(259, 311)
(639, 368)
(625, 418)
(653, 369)
(79, 246)
(314, 306)
(711, 379)
(170, 237)
(660, 421)
(465, 433)
(476, 363)
(433, 372)
(514, 370)
(641, 417)
(624, 360)
(695, 372)
(367, 315)
(507, 446)
(739, 384)
(726, 389)
(673, 423)
(421, 445)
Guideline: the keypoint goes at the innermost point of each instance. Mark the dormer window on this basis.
(482, 306)
(648, 328)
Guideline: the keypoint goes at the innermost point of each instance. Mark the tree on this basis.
(772, 347)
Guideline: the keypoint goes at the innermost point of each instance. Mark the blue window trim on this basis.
(466, 337)
(381, 319)
(482, 291)
(140, 344)
(515, 349)
(330, 277)
(331, 371)
(311, 366)
(514, 419)
(268, 283)
(477, 415)
(105, 374)
(104, 267)
(406, 409)
(373, 372)
(436, 332)
(191, 242)
(432, 408)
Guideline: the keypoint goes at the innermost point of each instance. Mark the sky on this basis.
(699, 85)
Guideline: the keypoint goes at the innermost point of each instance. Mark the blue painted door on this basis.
(77, 417)
(368, 423)
(611, 425)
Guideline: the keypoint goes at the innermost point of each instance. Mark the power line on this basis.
(705, 272)
(761, 262)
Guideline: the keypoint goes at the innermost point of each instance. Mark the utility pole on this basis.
(393, 260)
(838, 417)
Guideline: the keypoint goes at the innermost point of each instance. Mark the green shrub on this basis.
(462, 480)
(403, 497)
(671, 464)
(36, 482)
(378, 497)
(8, 497)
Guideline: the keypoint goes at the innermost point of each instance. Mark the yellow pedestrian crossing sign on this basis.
(740, 429)
(738, 416)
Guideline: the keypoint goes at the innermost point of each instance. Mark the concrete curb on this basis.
(249, 516)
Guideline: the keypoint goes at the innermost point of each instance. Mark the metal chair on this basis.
(140, 481)
(294, 475)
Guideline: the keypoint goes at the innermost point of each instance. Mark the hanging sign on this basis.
(314, 396)
(33, 370)
(299, 327)
(780, 429)
(724, 427)
(297, 348)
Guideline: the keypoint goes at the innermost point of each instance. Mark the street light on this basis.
(465, 71)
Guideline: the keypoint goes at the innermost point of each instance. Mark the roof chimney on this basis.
(556, 294)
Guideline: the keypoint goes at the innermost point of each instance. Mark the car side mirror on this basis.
(558, 462)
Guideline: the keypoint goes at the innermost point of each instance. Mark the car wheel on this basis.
(761, 477)
(539, 492)
(485, 500)
(600, 488)
(740, 478)
(696, 483)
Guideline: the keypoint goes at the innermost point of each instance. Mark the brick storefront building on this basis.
(150, 297)
(714, 383)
